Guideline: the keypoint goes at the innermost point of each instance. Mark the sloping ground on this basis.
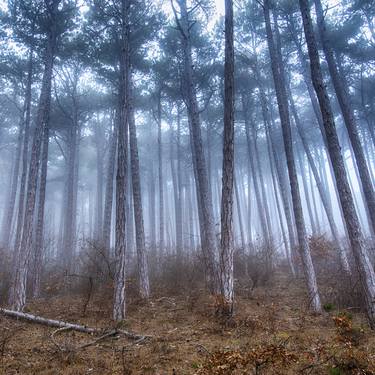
(272, 333)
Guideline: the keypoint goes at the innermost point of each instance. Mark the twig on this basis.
(59, 330)
(200, 346)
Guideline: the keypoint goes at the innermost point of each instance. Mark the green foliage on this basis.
(329, 307)
(335, 371)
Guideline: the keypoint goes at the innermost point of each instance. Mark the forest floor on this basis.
(272, 333)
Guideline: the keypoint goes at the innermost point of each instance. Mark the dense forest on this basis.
(187, 187)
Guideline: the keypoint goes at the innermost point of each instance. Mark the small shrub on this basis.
(335, 371)
(328, 307)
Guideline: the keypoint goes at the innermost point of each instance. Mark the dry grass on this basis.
(272, 333)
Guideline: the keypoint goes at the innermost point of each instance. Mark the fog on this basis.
(142, 135)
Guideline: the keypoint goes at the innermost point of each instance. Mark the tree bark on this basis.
(107, 219)
(17, 298)
(279, 81)
(161, 181)
(119, 303)
(39, 235)
(11, 201)
(143, 279)
(209, 245)
(25, 154)
(364, 266)
(227, 248)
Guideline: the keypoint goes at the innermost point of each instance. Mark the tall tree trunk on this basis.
(281, 175)
(322, 191)
(227, 248)
(209, 245)
(239, 213)
(254, 169)
(70, 214)
(11, 201)
(17, 296)
(25, 154)
(302, 169)
(107, 219)
(161, 180)
(119, 303)
(288, 250)
(179, 235)
(364, 266)
(152, 213)
(99, 138)
(279, 81)
(144, 285)
(39, 235)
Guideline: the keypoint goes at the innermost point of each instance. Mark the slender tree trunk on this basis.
(281, 176)
(288, 250)
(39, 235)
(161, 180)
(179, 235)
(227, 248)
(119, 303)
(25, 154)
(306, 191)
(11, 201)
(107, 220)
(69, 229)
(152, 213)
(17, 298)
(144, 285)
(364, 266)
(254, 169)
(265, 207)
(322, 191)
(279, 81)
(99, 137)
(209, 245)
(239, 213)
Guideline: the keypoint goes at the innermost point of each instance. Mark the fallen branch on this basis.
(70, 326)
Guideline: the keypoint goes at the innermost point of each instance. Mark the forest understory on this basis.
(272, 330)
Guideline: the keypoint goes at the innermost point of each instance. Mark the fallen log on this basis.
(70, 326)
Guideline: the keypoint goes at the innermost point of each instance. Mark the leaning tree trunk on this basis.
(143, 279)
(227, 248)
(281, 176)
(322, 191)
(17, 297)
(341, 89)
(279, 81)
(288, 251)
(364, 266)
(209, 245)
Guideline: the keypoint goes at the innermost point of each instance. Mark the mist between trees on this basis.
(133, 135)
